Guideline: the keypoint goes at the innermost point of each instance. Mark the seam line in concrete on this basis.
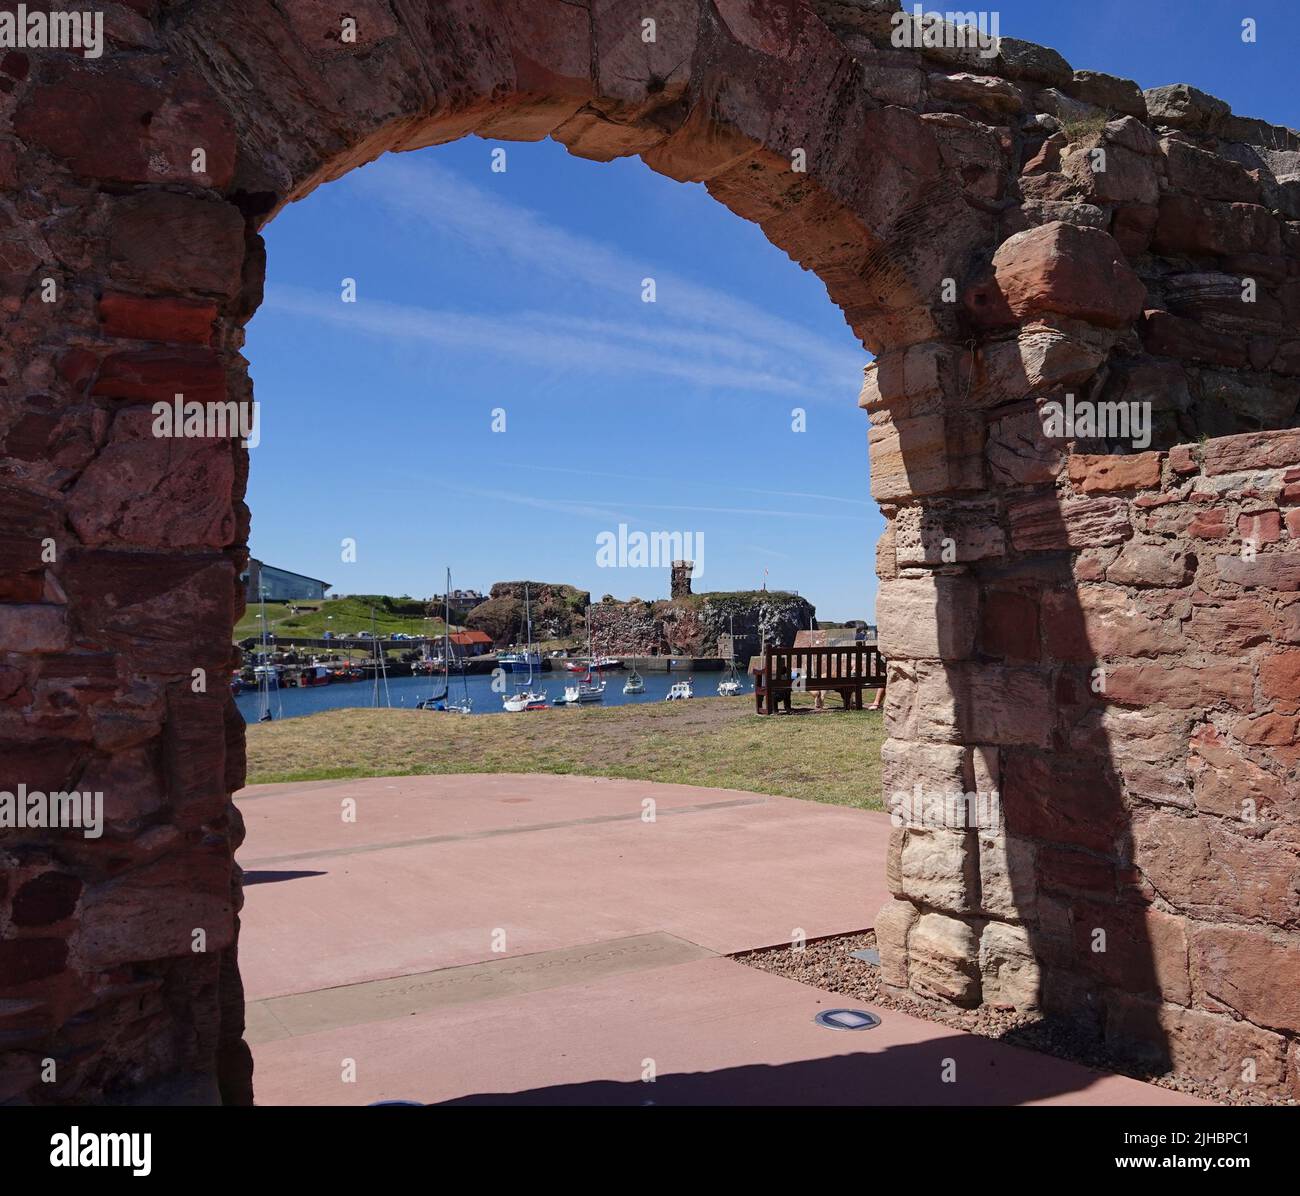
(295, 1014)
(495, 832)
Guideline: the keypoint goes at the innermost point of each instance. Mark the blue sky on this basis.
(522, 291)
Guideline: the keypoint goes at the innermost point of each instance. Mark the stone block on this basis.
(928, 617)
(1009, 970)
(943, 960)
(1251, 972)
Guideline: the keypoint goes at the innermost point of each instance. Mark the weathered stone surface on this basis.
(1208, 871)
(146, 492)
(113, 124)
(1201, 173)
(166, 611)
(930, 454)
(45, 899)
(1233, 624)
(1251, 973)
(928, 768)
(1007, 706)
(1185, 107)
(1268, 570)
(1168, 335)
(1180, 686)
(938, 869)
(1140, 951)
(1009, 967)
(1019, 452)
(1150, 565)
(892, 925)
(1009, 626)
(943, 959)
(1105, 474)
(159, 375)
(1199, 226)
(1008, 876)
(157, 319)
(33, 628)
(153, 912)
(980, 91)
(172, 244)
(1057, 799)
(928, 617)
(317, 24)
(1254, 450)
(1108, 91)
(934, 535)
(1096, 622)
(1132, 134)
(1112, 174)
(1048, 523)
(1191, 1042)
(1039, 64)
(1279, 679)
(1038, 359)
(1076, 272)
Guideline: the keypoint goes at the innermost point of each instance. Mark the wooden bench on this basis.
(846, 670)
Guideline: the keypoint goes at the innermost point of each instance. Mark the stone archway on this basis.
(951, 201)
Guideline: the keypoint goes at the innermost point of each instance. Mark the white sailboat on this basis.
(527, 698)
(268, 676)
(730, 685)
(587, 690)
(443, 701)
(635, 684)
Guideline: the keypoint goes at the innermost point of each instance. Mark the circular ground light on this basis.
(847, 1019)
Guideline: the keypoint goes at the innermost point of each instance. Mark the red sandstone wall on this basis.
(1128, 675)
(924, 168)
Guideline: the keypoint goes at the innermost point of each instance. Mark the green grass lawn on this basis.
(342, 616)
(831, 756)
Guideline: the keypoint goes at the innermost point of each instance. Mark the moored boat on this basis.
(526, 698)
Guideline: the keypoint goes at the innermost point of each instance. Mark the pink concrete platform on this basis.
(373, 941)
(714, 1031)
(433, 867)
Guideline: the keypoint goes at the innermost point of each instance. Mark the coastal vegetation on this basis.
(342, 616)
(830, 756)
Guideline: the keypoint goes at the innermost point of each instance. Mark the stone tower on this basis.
(681, 583)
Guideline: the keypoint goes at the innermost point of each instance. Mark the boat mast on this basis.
(264, 714)
(381, 661)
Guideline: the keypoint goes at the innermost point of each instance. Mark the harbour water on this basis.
(407, 691)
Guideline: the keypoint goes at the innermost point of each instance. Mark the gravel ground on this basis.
(827, 964)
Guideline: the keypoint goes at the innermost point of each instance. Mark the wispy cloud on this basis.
(597, 348)
(568, 507)
(697, 482)
(688, 317)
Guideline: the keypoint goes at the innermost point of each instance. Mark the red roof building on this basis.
(470, 643)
